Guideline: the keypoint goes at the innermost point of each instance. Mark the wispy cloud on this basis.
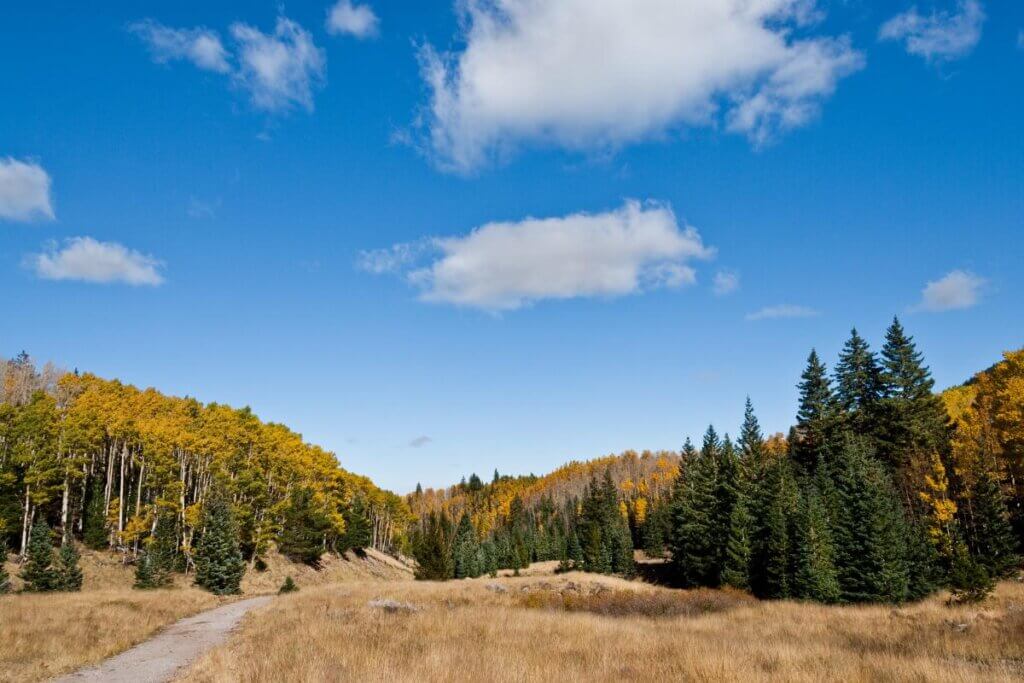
(24, 191)
(279, 70)
(725, 282)
(201, 46)
(352, 19)
(87, 260)
(939, 36)
(504, 266)
(956, 290)
(783, 311)
(420, 442)
(586, 75)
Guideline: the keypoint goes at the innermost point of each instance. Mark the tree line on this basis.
(137, 472)
(876, 494)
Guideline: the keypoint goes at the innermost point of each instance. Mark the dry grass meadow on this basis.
(45, 635)
(582, 627)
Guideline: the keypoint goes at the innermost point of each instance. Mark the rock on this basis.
(496, 587)
(392, 606)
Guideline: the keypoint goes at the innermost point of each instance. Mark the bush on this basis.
(287, 587)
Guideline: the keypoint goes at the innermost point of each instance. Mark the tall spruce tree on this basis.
(157, 562)
(772, 542)
(736, 568)
(859, 386)
(432, 548)
(219, 564)
(304, 530)
(358, 530)
(989, 535)
(695, 544)
(815, 576)
(95, 533)
(870, 532)
(466, 549)
(751, 441)
(815, 419)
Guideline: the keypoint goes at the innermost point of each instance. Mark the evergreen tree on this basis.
(288, 586)
(38, 572)
(870, 533)
(432, 549)
(95, 522)
(751, 441)
(219, 565)
(772, 543)
(304, 530)
(815, 416)
(358, 529)
(989, 534)
(859, 386)
(466, 549)
(969, 581)
(815, 577)
(144, 574)
(727, 493)
(157, 562)
(5, 579)
(736, 570)
(695, 546)
(67, 572)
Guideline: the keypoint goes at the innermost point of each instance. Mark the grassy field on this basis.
(44, 635)
(582, 627)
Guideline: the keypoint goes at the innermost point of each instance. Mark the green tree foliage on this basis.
(157, 562)
(358, 531)
(38, 572)
(219, 565)
(288, 586)
(67, 571)
(815, 419)
(859, 387)
(5, 579)
(466, 550)
(95, 535)
(696, 515)
(432, 548)
(303, 534)
(815, 575)
(989, 534)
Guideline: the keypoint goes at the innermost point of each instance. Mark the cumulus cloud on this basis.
(581, 74)
(87, 260)
(279, 70)
(201, 46)
(725, 282)
(506, 265)
(782, 311)
(24, 191)
(420, 442)
(356, 20)
(958, 289)
(939, 36)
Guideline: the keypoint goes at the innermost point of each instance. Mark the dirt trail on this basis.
(162, 656)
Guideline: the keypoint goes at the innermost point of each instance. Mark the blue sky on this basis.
(438, 244)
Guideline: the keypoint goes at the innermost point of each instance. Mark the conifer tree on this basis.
(695, 546)
(144, 574)
(751, 441)
(736, 570)
(38, 572)
(859, 386)
(727, 493)
(219, 565)
(815, 417)
(5, 579)
(156, 564)
(304, 529)
(772, 543)
(466, 549)
(989, 534)
(288, 586)
(870, 535)
(432, 549)
(358, 530)
(815, 577)
(95, 523)
(67, 572)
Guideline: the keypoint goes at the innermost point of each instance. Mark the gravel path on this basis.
(158, 659)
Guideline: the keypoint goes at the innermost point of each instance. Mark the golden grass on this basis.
(579, 627)
(42, 635)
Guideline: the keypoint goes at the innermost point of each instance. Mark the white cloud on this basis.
(24, 191)
(201, 46)
(507, 265)
(279, 70)
(782, 311)
(584, 74)
(939, 36)
(726, 282)
(393, 259)
(85, 259)
(956, 290)
(356, 20)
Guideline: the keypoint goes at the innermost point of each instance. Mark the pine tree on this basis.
(5, 579)
(772, 543)
(68, 573)
(859, 386)
(95, 523)
(751, 441)
(304, 529)
(38, 573)
(466, 549)
(815, 577)
(736, 570)
(815, 417)
(969, 581)
(695, 546)
(144, 575)
(989, 535)
(219, 564)
(432, 549)
(156, 564)
(358, 530)
(870, 532)
(727, 493)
